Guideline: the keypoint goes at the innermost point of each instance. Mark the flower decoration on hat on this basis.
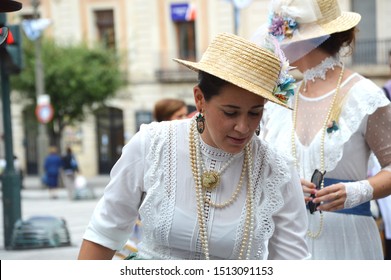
(282, 27)
(285, 87)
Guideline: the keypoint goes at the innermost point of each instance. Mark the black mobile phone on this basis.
(317, 178)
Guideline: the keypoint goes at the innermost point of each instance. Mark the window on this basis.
(104, 21)
(186, 39)
(183, 15)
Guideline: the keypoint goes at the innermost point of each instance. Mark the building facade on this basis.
(147, 34)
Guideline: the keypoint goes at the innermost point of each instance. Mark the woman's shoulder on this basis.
(161, 128)
(365, 94)
(158, 132)
(271, 152)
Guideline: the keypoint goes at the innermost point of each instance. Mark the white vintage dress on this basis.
(364, 126)
(156, 161)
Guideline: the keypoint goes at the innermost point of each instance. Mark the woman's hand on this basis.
(331, 198)
(308, 189)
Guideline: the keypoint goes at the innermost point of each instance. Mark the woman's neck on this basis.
(326, 79)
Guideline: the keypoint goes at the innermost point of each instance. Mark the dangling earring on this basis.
(258, 130)
(200, 123)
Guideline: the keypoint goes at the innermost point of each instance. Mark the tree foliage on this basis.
(76, 78)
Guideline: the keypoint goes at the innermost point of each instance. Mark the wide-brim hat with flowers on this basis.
(242, 63)
(297, 20)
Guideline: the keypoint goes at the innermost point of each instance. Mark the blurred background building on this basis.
(148, 34)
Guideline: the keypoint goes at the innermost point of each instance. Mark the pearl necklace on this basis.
(195, 158)
(324, 128)
(236, 192)
(211, 178)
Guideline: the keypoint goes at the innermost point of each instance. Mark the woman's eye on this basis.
(229, 114)
(256, 114)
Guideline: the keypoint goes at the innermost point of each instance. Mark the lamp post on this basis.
(11, 184)
(42, 139)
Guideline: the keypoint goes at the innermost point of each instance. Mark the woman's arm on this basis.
(288, 240)
(93, 251)
(338, 196)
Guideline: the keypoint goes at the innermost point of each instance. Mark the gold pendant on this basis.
(210, 180)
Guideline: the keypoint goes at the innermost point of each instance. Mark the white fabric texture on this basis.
(346, 157)
(357, 193)
(156, 161)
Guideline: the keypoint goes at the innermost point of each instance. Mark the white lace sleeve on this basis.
(357, 193)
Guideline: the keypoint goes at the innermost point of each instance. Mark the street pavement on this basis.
(35, 201)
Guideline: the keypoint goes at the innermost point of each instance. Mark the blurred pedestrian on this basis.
(170, 109)
(339, 118)
(52, 167)
(69, 169)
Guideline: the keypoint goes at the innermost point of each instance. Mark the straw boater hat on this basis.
(241, 63)
(298, 20)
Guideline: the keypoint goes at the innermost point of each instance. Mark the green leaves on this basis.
(76, 77)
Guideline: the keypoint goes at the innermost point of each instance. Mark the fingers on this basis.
(331, 198)
(308, 187)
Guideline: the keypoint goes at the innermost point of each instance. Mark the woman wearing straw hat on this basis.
(213, 189)
(339, 118)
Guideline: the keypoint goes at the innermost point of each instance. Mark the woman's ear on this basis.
(198, 98)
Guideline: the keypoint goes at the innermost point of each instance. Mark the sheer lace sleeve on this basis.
(378, 135)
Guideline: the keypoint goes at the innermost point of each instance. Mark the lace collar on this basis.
(216, 153)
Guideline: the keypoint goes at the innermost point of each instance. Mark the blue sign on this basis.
(183, 12)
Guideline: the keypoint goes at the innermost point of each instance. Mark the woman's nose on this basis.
(242, 126)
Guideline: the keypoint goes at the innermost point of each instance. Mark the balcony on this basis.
(370, 58)
(371, 52)
(179, 75)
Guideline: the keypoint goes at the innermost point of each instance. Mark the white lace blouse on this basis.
(156, 161)
(364, 127)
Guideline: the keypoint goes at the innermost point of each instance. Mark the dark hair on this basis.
(338, 40)
(210, 84)
(165, 108)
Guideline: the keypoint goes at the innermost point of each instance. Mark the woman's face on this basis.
(231, 117)
(180, 114)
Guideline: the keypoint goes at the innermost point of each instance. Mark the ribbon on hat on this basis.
(303, 11)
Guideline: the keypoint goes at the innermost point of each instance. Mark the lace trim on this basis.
(270, 173)
(321, 69)
(157, 228)
(215, 153)
(364, 99)
(357, 193)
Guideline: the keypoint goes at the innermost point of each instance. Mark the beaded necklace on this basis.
(196, 166)
(211, 178)
(324, 129)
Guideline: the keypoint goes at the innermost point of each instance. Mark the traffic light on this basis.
(3, 35)
(11, 51)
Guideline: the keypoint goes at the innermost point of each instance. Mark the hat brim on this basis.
(346, 21)
(231, 78)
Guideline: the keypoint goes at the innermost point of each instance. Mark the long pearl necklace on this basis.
(196, 165)
(324, 128)
(211, 178)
